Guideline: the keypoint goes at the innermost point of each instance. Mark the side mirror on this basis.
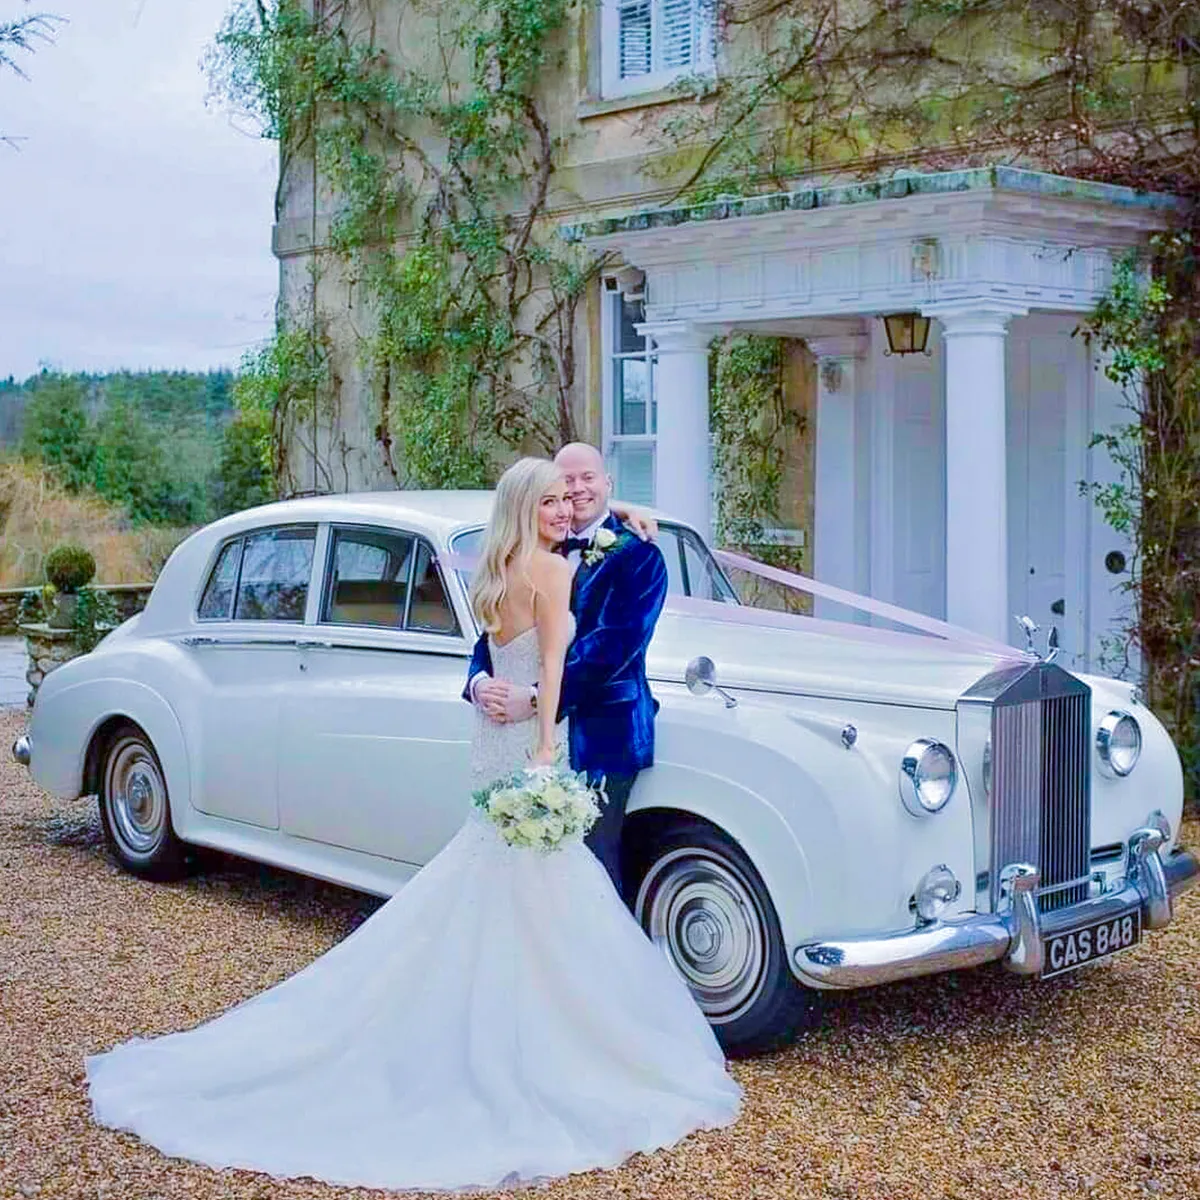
(701, 678)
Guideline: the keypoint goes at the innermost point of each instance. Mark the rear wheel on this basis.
(700, 900)
(135, 808)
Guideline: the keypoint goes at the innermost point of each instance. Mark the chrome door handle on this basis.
(313, 644)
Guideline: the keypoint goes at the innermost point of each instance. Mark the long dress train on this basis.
(501, 1019)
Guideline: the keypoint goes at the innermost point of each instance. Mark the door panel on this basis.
(919, 484)
(1047, 372)
(374, 746)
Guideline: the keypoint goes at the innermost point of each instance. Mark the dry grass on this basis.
(960, 1087)
(37, 513)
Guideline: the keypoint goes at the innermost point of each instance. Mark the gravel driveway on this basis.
(976, 1085)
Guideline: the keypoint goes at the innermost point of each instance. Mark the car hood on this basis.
(802, 656)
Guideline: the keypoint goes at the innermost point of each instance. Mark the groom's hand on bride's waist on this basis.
(504, 702)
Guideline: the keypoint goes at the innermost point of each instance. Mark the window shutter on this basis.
(678, 34)
(635, 39)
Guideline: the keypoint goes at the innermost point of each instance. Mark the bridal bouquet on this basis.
(539, 808)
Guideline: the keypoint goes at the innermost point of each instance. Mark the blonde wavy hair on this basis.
(511, 536)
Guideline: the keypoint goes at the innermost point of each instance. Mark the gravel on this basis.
(971, 1085)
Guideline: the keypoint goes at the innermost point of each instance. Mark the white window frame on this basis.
(612, 86)
(609, 331)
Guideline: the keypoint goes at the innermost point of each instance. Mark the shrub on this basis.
(70, 567)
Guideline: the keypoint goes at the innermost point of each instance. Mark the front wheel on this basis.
(135, 808)
(701, 901)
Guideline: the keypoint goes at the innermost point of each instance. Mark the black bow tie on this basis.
(574, 543)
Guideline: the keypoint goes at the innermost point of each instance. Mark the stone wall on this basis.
(129, 598)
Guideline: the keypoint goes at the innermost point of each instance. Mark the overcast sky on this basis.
(135, 224)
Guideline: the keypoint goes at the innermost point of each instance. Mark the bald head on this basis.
(588, 482)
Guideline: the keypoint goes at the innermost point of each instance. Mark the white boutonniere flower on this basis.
(602, 542)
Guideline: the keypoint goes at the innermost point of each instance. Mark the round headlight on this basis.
(1119, 743)
(928, 774)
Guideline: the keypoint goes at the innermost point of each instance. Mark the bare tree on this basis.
(21, 35)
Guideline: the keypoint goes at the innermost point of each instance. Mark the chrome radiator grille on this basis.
(1037, 783)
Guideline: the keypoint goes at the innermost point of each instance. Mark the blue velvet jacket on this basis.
(605, 696)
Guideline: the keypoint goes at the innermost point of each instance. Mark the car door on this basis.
(374, 744)
(242, 650)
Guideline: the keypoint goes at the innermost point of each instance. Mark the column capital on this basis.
(980, 316)
(676, 337)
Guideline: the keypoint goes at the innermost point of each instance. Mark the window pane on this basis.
(276, 568)
(634, 55)
(704, 578)
(633, 471)
(678, 36)
(430, 606)
(629, 314)
(633, 390)
(668, 543)
(370, 577)
(218, 592)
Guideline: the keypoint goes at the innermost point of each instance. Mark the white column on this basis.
(682, 466)
(977, 466)
(835, 518)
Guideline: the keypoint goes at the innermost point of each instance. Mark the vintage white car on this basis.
(837, 811)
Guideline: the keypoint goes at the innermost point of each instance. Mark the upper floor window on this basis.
(648, 44)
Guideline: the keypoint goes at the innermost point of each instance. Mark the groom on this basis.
(620, 583)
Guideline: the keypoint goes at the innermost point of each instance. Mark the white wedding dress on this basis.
(501, 1019)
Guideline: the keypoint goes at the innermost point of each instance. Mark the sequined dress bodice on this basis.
(499, 750)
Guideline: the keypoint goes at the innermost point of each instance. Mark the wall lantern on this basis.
(907, 333)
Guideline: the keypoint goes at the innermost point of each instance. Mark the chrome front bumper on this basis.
(1014, 933)
(22, 750)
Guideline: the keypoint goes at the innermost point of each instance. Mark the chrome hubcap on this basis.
(701, 912)
(137, 797)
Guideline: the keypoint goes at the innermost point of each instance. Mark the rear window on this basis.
(263, 576)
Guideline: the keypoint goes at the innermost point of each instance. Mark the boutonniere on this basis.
(603, 541)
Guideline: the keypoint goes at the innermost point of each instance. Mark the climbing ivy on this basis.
(465, 297)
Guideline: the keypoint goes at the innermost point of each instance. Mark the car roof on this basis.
(431, 510)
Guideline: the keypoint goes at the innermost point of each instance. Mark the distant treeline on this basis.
(167, 446)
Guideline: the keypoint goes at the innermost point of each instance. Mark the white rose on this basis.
(604, 539)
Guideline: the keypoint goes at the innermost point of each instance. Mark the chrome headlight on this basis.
(928, 774)
(937, 890)
(1119, 743)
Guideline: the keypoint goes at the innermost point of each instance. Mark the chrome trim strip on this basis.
(207, 640)
(22, 750)
(1014, 934)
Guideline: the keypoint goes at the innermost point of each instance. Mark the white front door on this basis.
(1047, 516)
(918, 493)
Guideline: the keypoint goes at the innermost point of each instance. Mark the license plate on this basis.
(1064, 952)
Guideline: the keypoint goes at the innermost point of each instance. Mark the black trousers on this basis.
(604, 838)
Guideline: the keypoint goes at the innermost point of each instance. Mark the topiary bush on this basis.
(70, 568)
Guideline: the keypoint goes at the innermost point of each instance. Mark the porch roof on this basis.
(992, 179)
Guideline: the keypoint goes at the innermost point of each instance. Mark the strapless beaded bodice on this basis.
(498, 750)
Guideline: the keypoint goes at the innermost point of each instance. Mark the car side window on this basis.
(216, 603)
(369, 578)
(276, 568)
(430, 609)
(691, 569)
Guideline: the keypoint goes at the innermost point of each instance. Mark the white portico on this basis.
(947, 481)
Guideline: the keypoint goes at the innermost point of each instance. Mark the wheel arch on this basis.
(747, 818)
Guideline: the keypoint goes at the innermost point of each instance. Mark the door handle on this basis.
(313, 644)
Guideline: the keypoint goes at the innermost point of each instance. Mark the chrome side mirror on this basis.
(701, 678)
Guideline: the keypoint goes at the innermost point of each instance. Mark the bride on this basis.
(501, 1019)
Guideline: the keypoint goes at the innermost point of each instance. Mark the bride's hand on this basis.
(544, 756)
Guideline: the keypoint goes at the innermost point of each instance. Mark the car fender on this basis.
(66, 721)
(822, 823)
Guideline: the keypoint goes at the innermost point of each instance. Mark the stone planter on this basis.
(47, 649)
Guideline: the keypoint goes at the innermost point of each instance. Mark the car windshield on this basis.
(691, 568)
